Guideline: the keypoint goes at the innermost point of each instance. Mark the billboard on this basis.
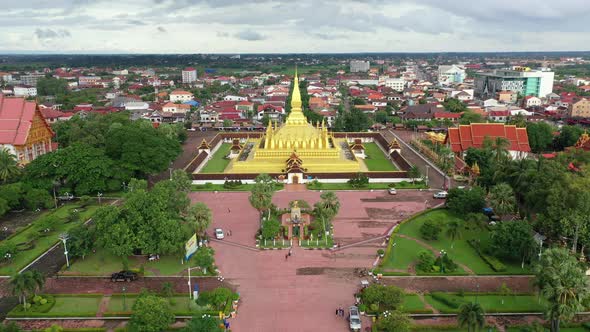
(190, 247)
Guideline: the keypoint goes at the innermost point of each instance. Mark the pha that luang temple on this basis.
(316, 148)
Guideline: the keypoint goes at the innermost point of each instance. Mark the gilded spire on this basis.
(296, 96)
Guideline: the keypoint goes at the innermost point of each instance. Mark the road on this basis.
(436, 179)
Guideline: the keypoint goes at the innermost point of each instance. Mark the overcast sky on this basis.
(282, 26)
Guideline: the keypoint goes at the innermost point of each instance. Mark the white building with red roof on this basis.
(23, 129)
(180, 96)
(466, 136)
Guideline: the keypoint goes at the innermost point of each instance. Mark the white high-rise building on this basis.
(396, 84)
(357, 66)
(189, 75)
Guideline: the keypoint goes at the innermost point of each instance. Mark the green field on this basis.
(218, 162)
(103, 263)
(374, 186)
(491, 303)
(180, 305)
(376, 161)
(45, 240)
(65, 306)
(406, 250)
(412, 303)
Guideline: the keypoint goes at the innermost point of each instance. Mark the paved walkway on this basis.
(302, 292)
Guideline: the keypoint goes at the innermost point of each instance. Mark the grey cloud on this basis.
(162, 29)
(249, 35)
(51, 34)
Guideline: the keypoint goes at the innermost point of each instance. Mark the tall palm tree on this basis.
(500, 148)
(454, 231)
(472, 315)
(330, 202)
(8, 165)
(199, 216)
(38, 279)
(23, 284)
(502, 199)
(563, 283)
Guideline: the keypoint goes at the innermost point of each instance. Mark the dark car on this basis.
(124, 276)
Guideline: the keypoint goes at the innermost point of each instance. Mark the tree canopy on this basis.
(150, 314)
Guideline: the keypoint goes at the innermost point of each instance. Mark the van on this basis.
(441, 194)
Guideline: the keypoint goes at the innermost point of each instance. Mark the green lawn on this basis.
(377, 186)
(376, 161)
(412, 303)
(103, 263)
(41, 244)
(461, 251)
(493, 303)
(218, 162)
(180, 305)
(66, 306)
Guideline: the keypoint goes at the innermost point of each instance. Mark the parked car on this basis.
(441, 194)
(392, 191)
(66, 197)
(124, 276)
(354, 319)
(219, 234)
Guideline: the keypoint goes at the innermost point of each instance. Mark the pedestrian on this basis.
(290, 251)
(337, 312)
(230, 232)
(286, 256)
(228, 210)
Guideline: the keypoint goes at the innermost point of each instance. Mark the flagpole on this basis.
(189, 283)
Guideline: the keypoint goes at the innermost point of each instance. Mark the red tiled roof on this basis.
(473, 135)
(446, 115)
(189, 69)
(16, 116)
(50, 113)
(499, 113)
(180, 92)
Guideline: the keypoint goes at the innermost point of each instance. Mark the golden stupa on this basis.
(314, 146)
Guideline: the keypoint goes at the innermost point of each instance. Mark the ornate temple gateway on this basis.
(296, 147)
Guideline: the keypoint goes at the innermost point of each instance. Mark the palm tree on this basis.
(413, 173)
(8, 165)
(454, 231)
(38, 279)
(199, 216)
(500, 148)
(23, 284)
(502, 199)
(472, 315)
(563, 283)
(330, 202)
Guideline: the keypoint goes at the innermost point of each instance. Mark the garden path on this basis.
(426, 304)
(103, 306)
(435, 251)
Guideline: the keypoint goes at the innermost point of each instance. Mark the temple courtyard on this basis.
(301, 293)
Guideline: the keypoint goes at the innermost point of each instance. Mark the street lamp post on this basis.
(64, 238)
(442, 258)
(124, 299)
(427, 168)
(476, 294)
(99, 195)
(540, 248)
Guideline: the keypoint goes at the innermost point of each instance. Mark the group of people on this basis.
(340, 312)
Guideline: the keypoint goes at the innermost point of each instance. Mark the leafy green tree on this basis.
(22, 285)
(471, 315)
(356, 121)
(469, 117)
(10, 327)
(430, 229)
(203, 324)
(51, 86)
(150, 314)
(499, 147)
(414, 173)
(540, 136)
(13, 194)
(461, 201)
(8, 166)
(512, 240)
(4, 207)
(270, 229)
(454, 105)
(38, 280)
(502, 199)
(113, 234)
(568, 136)
(381, 117)
(199, 217)
(394, 321)
(386, 297)
(425, 261)
(203, 257)
(81, 241)
(181, 180)
(38, 199)
(329, 201)
(261, 193)
(562, 282)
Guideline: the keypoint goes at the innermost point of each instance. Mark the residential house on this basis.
(463, 95)
(465, 136)
(24, 91)
(439, 96)
(245, 106)
(24, 132)
(499, 116)
(52, 116)
(272, 111)
(580, 108)
(234, 98)
(490, 103)
(531, 101)
(507, 97)
(176, 108)
(180, 96)
(85, 81)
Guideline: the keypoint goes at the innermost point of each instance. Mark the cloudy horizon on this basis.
(281, 26)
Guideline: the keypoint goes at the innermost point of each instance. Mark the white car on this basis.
(219, 234)
(441, 194)
(354, 319)
(392, 191)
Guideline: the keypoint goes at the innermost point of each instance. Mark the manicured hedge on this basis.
(493, 262)
(451, 300)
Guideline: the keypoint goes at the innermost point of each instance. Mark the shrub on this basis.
(359, 181)
(493, 262)
(363, 307)
(387, 297)
(85, 200)
(425, 261)
(450, 300)
(380, 252)
(430, 230)
(447, 263)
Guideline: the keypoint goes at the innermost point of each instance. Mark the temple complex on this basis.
(295, 146)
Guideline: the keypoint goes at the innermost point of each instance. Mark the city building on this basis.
(396, 84)
(580, 108)
(23, 129)
(24, 91)
(180, 96)
(531, 101)
(538, 83)
(357, 66)
(88, 80)
(449, 74)
(507, 97)
(189, 75)
(31, 79)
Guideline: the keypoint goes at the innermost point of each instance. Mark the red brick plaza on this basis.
(301, 293)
